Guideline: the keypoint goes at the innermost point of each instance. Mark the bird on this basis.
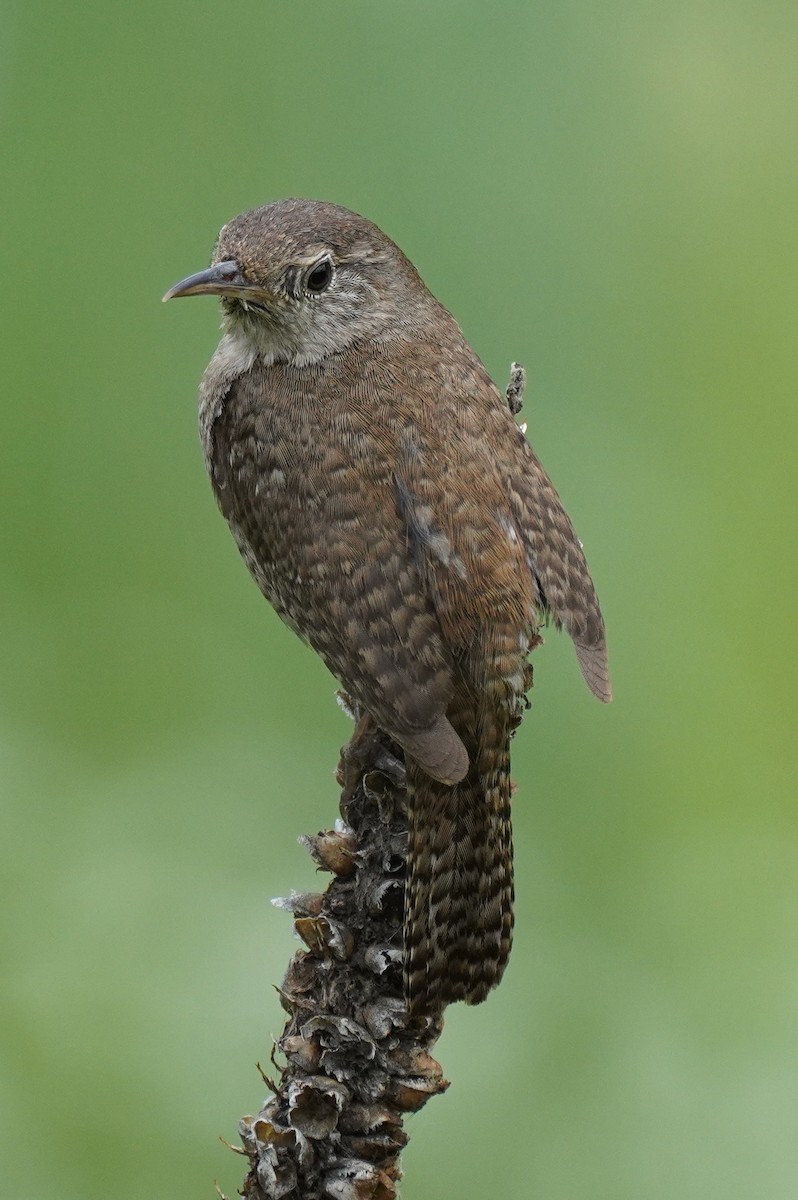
(391, 509)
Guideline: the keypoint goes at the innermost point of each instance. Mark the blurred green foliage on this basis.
(606, 193)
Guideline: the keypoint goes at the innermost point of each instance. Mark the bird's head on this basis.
(301, 279)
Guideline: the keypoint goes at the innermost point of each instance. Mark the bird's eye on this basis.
(319, 277)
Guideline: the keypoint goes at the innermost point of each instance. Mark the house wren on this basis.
(392, 511)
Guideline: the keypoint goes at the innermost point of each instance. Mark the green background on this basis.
(606, 193)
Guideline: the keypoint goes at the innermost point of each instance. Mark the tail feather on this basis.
(459, 897)
(459, 905)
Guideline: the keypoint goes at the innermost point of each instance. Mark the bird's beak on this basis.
(222, 279)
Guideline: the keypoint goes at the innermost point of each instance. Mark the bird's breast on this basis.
(301, 480)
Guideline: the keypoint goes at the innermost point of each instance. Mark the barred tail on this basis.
(459, 897)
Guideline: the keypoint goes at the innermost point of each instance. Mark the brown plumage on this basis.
(389, 507)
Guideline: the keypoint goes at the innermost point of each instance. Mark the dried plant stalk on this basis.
(354, 1062)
